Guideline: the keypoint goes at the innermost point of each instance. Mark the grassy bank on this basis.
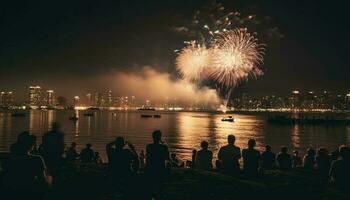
(89, 182)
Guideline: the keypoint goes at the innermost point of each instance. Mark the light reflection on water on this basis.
(182, 131)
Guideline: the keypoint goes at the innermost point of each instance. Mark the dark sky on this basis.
(64, 45)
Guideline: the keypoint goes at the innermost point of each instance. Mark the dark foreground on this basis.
(89, 182)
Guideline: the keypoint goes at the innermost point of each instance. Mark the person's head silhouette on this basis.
(25, 142)
(344, 152)
(204, 145)
(157, 136)
(119, 142)
(284, 149)
(231, 139)
(56, 127)
(73, 145)
(268, 148)
(311, 152)
(251, 143)
(88, 146)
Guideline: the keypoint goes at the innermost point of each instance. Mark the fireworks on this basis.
(192, 62)
(236, 55)
(228, 54)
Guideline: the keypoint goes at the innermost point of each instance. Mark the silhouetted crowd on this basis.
(31, 170)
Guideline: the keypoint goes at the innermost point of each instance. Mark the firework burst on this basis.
(236, 55)
(192, 62)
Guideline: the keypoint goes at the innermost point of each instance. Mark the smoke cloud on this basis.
(148, 83)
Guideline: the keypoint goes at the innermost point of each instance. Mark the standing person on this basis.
(268, 159)
(229, 156)
(71, 153)
(156, 155)
(25, 175)
(121, 159)
(323, 162)
(251, 158)
(309, 159)
(193, 161)
(204, 157)
(296, 159)
(87, 155)
(284, 159)
(53, 147)
(339, 172)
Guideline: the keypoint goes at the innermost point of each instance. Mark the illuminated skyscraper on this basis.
(6, 99)
(109, 98)
(133, 101)
(296, 99)
(89, 100)
(76, 101)
(2, 97)
(97, 99)
(50, 98)
(35, 96)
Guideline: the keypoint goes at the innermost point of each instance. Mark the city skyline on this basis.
(38, 97)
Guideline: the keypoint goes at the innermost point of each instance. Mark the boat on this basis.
(146, 116)
(88, 114)
(146, 109)
(157, 116)
(228, 119)
(73, 118)
(93, 108)
(18, 114)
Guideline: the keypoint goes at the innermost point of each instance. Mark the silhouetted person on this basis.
(340, 173)
(192, 163)
(120, 159)
(229, 156)
(156, 155)
(309, 159)
(87, 154)
(251, 158)
(25, 174)
(268, 159)
(174, 161)
(204, 157)
(53, 146)
(296, 159)
(71, 154)
(284, 159)
(97, 158)
(323, 164)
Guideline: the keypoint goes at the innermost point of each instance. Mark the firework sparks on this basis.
(192, 62)
(236, 55)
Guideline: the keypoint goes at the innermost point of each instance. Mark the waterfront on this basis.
(182, 131)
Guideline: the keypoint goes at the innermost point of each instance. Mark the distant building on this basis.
(50, 98)
(133, 101)
(89, 100)
(76, 101)
(296, 99)
(35, 96)
(109, 99)
(6, 99)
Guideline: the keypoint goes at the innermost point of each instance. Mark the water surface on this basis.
(182, 131)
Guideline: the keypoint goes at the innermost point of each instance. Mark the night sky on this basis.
(64, 45)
